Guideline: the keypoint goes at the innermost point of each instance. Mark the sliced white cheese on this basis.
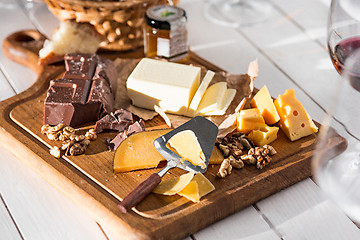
(225, 103)
(200, 93)
(169, 85)
(212, 98)
(187, 146)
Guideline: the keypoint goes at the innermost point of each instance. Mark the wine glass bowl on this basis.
(237, 13)
(337, 171)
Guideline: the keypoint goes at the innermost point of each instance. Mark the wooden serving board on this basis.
(89, 180)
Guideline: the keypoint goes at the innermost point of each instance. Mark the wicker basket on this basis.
(121, 22)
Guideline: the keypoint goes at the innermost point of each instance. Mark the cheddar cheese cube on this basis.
(263, 134)
(263, 101)
(294, 120)
(249, 119)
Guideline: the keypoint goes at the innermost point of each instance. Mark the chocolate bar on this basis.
(79, 97)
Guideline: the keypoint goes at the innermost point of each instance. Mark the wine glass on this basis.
(237, 13)
(336, 167)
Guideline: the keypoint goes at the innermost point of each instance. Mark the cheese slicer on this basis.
(205, 132)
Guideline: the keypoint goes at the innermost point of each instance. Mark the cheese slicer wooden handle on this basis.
(140, 192)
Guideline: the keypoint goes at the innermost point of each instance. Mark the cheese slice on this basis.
(191, 192)
(200, 93)
(294, 120)
(212, 98)
(225, 103)
(187, 146)
(196, 191)
(263, 134)
(174, 185)
(263, 101)
(171, 86)
(138, 152)
(188, 185)
(249, 119)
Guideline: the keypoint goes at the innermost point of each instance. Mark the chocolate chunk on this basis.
(119, 121)
(115, 142)
(100, 93)
(106, 69)
(138, 126)
(80, 66)
(67, 102)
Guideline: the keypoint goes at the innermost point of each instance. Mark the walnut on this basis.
(59, 132)
(91, 134)
(55, 151)
(236, 163)
(76, 145)
(225, 168)
(271, 149)
(248, 159)
(262, 156)
(225, 149)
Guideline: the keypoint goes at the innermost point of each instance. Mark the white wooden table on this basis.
(291, 50)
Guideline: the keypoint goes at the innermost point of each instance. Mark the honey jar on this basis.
(165, 33)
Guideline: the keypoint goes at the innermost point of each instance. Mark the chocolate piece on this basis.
(106, 69)
(138, 126)
(115, 142)
(67, 102)
(100, 92)
(119, 121)
(80, 66)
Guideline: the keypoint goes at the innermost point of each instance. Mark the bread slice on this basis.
(71, 37)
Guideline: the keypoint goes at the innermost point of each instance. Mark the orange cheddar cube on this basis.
(249, 119)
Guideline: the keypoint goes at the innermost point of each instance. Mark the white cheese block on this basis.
(212, 98)
(225, 103)
(169, 85)
(200, 93)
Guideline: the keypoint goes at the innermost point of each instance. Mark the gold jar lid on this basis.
(162, 16)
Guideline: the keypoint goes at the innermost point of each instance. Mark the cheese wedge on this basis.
(294, 120)
(212, 98)
(249, 119)
(187, 146)
(200, 93)
(263, 101)
(171, 86)
(138, 152)
(193, 191)
(263, 134)
(174, 185)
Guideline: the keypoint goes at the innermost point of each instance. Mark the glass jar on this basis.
(165, 33)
